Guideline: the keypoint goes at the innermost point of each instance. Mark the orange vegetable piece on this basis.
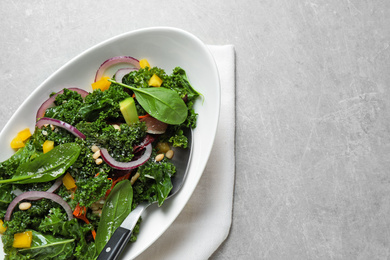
(155, 81)
(22, 240)
(2, 228)
(146, 115)
(47, 146)
(68, 181)
(115, 181)
(102, 84)
(81, 213)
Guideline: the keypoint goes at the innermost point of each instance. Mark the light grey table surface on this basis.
(312, 108)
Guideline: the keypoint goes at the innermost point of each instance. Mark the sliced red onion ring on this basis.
(53, 188)
(38, 194)
(46, 120)
(55, 185)
(50, 101)
(126, 165)
(122, 72)
(115, 60)
(147, 140)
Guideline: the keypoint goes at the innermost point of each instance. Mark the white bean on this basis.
(169, 154)
(98, 161)
(24, 205)
(159, 157)
(96, 154)
(95, 148)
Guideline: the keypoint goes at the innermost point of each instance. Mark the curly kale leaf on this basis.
(103, 104)
(179, 82)
(29, 219)
(154, 183)
(90, 190)
(67, 96)
(141, 77)
(67, 111)
(57, 224)
(91, 179)
(23, 155)
(119, 143)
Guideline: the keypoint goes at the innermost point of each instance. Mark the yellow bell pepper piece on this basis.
(2, 228)
(47, 146)
(17, 143)
(103, 84)
(162, 147)
(24, 134)
(68, 181)
(144, 63)
(20, 138)
(22, 240)
(155, 81)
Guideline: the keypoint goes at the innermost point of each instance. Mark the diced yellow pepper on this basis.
(162, 147)
(2, 228)
(24, 134)
(22, 240)
(18, 141)
(103, 84)
(47, 146)
(68, 181)
(155, 81)
(144, 63)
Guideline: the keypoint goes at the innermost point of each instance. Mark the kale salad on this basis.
(92, 158)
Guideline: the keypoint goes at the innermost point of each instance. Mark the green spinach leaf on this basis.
(161, 103)
(56, 222)
(24, 154)
(49, 247)
(46, 167)
(115, 210)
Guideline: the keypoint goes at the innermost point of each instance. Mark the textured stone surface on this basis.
(312, 108)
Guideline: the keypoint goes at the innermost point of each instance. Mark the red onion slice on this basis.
(126, 165)
(147, 140)
(53, 188)
(38, 194)
(55, 185)
(113, 61)
(56, 122)
(50, 101)
(122, 72)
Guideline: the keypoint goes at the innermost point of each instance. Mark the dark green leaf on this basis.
(24, 154)
(161, 103)
(49, 247)
(115, 210)
(46, 167)
(57, 224)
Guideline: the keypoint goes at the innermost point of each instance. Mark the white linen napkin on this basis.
(205, 221)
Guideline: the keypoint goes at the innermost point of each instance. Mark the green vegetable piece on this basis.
(49, 247)
(115, 210)
(56, 223)
(161, 103)
(46, 167)
(129, 111)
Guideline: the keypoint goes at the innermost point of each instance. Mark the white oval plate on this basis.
(163, 47)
